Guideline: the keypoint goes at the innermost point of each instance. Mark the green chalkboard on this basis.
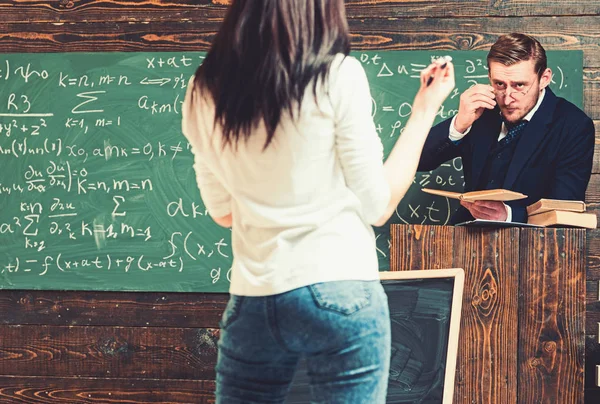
(97, 190)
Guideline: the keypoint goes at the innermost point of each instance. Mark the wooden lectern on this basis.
(522, 332)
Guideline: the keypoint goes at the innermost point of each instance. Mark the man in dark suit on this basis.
(515, 134)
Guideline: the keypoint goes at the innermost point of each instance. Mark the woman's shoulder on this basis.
(197, 98)
(346, 64)
(346, 71)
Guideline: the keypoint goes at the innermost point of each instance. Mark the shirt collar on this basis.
(536, 107)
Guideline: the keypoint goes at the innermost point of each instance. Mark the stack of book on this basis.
(553, 212)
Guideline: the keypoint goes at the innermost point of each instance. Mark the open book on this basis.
(545, 205)
(487, 195)
(564, 218)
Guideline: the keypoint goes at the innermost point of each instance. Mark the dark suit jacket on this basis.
(553, 157)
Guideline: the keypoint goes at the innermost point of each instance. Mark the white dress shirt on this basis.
(455, 135)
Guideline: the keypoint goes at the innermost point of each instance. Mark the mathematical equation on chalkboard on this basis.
(97, 189)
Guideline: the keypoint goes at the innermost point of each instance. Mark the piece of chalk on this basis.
(445, 59)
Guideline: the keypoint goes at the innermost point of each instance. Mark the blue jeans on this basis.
(342, 329)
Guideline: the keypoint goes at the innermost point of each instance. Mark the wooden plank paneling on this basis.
(373, 33)
(487, 364)
(53, 390)
(592, 358)
(591, 91)
(111, 308)
(107, 37)
(592, 195)
(119, 352)
(94, 10)
(593, 276)
(593, 255)
(591, 294)
(421, 247)
(551, 316)
(592, 307)
(69, 11)
(592, 319)
(473, 8)
(592, 284)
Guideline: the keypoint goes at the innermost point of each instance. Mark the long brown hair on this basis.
(265, 55)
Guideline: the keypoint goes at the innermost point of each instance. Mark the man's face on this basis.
(517, 88)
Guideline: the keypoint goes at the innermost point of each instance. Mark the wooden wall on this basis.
(83, 347)
(522, 324)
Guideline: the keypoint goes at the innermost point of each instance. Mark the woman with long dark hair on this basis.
(286, 154)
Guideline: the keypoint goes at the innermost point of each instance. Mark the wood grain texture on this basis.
(592, 194)
(592, 308)
(487, 364)
(592, 358)
(592, 312)
(417, 247)
(551, 316)
(591, 92)
(102, 10)
(112, 308)
(68, 11)
(367, 33)
(593, 255)
(53, 390)
(591, 295)
(108, 352)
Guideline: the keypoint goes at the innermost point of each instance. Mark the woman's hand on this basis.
(437, 82)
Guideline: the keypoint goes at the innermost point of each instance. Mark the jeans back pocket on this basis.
(344, 297)
(232, 311)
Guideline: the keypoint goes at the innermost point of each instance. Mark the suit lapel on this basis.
(491, 123)
(530, 138)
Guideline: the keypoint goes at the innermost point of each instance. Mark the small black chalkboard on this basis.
(425, 309)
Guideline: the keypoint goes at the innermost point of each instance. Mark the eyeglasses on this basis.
(515, 94)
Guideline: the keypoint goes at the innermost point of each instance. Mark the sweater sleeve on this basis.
(357, 143)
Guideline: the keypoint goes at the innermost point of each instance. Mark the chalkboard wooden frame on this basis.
(458, 275)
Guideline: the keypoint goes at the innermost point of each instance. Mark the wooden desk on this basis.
(523, 318)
